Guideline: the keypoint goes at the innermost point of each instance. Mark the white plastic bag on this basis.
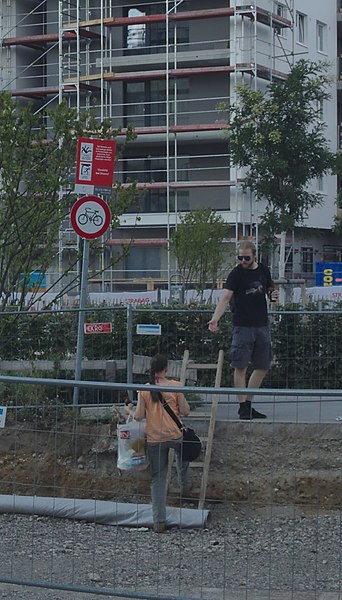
(131, 446)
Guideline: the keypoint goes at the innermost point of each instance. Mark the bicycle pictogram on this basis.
(90, 216)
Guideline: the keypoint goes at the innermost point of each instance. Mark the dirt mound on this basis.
(259, 463)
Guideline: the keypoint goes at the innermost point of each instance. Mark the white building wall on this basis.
(325, 13)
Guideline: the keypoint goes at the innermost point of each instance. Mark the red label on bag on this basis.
(125, 435)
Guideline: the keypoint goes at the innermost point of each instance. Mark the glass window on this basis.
(135, 104)
(280, 11)
(136, 33)
(301, 28)
(152, 36)
(135, 169)
(320, 110)
(143, 262)
(307, 259)
(288, 260)
(332, 253)
(145, 102)
(320, 36)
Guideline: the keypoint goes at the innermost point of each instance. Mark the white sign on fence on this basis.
(3, 411)
(148, 329)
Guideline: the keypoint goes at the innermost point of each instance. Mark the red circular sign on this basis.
(90, 217)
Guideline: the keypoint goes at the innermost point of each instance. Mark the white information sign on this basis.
(3, 411)
(148, 329)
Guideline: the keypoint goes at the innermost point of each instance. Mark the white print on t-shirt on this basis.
(256, 288)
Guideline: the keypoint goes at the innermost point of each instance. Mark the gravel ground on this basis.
(244, 552)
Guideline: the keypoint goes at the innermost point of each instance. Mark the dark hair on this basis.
(158, 363)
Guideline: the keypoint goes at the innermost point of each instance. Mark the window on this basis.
(136, 34)
(307, 259)
(302, 33)
(288, 260)
(145, 102)
(320, 184)
(321, 36)
(320, 110)
(151, 37)
(332, 253)
(143, 262)
(280, 11)
(135, 104)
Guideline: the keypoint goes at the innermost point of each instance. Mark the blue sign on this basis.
(36, 281)
(328, 273)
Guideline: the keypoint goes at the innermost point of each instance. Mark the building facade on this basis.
(166, 67)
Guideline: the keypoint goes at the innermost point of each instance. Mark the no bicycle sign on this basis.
(90, 217)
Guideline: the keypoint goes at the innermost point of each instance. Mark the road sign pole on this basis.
(90, 218)
(129, 349)
(81, 318)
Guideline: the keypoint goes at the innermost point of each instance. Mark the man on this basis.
(245, 289)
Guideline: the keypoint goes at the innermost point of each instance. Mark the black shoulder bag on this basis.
(191, 445)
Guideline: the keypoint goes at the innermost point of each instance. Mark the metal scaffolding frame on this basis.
(79, 44)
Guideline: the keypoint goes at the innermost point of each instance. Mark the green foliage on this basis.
(197, 244)
(37, 154)
(306, 348)
(279, 137)
(307, 351)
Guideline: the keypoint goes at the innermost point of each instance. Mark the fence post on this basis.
(129, 360)
(81, 318)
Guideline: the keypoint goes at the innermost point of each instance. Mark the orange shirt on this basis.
(160, 427)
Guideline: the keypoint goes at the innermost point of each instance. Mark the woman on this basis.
(162, 434)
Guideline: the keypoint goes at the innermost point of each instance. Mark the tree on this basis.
(37, 155)
(279, 137)
(197, 244)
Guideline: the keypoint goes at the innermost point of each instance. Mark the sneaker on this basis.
(247, 412)
(159, 527)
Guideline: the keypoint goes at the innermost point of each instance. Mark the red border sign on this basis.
(97, 328)
(90, 217)
(95, 162)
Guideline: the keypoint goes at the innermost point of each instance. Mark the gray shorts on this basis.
(251, 345)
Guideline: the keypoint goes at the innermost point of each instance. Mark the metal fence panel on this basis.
(274, 496)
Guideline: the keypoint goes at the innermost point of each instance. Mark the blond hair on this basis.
(247, 245)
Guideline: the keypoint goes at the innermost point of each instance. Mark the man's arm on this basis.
(220, 308)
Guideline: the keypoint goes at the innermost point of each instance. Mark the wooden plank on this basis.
(94, 77)
(64, 365)
(202, 366)
(184, 367)
(211, 431)
(89, 23)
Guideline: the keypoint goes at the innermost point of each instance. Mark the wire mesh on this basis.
(273, 496)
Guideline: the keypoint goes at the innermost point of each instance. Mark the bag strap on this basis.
(171, 413)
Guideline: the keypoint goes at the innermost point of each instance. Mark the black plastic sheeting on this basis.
(101, 511)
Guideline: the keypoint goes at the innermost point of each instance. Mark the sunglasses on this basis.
(246, 258)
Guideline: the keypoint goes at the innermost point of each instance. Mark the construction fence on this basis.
(121, 340)
(269, 526)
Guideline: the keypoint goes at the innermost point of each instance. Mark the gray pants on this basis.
(158, 455)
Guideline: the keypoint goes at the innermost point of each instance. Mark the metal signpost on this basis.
(90, 218)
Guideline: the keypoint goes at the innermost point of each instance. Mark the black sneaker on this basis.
(247, 412)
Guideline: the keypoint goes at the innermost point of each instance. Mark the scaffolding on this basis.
(164, 67)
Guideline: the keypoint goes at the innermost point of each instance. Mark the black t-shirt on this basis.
(249, 301)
